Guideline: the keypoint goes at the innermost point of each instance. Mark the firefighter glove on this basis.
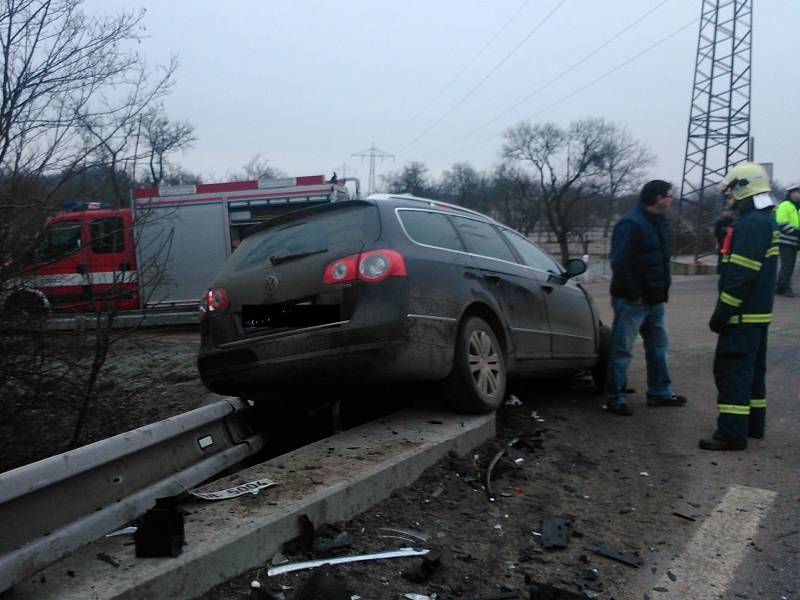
(717, 325)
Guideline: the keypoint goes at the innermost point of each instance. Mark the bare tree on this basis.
(513, 198)
(72, 96)
(464, 186)
(412, 179)
(566, 165)
(625, 161)
(164, 136)
(256, 168)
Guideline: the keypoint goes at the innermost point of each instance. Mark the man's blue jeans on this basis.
(648, 320)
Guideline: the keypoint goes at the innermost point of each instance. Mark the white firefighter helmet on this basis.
(745, 180)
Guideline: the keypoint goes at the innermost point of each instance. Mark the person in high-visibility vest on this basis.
(744, 309)
(788, 217)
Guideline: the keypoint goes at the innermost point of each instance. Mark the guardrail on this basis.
(51, 508)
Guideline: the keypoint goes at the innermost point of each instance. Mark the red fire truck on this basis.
(159, 255)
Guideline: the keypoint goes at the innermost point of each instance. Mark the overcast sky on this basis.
(307, 83)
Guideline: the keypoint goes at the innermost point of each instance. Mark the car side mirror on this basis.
(574, 267)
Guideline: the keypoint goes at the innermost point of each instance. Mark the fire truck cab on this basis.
(83, 259)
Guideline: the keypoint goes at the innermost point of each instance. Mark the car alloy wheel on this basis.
(484, 363)
(477, 382)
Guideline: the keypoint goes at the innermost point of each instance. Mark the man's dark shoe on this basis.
(666, 400)
(620, 409)
(713, 444)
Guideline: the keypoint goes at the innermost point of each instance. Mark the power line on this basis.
(556, 78)
(584, 87)
(482, 81)
(470, 63)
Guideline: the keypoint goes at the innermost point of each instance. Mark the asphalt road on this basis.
(745, 542)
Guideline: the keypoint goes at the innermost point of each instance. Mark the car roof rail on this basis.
(429, 202)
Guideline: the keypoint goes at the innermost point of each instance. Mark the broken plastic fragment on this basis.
(310, 564)
(279, 559)
(413, 533)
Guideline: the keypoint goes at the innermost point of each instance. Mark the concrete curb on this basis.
(332, 480)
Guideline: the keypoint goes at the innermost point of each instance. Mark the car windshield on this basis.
(339, 230)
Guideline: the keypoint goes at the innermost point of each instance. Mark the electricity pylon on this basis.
(372, 153)
(719, 121)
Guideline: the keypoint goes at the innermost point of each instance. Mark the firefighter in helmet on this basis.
(744, 310)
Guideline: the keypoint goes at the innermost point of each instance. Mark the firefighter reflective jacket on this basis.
(788, 217)
(748, 272)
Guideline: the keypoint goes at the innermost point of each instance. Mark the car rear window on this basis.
(430, 228)
(339, 230)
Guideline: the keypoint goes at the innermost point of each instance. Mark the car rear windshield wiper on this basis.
(278, 259)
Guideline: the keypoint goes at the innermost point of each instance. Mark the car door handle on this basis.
(547, 288)
(493, 278)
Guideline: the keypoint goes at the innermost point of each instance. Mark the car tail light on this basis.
(371, 266)
(213, 301)
(341, 270)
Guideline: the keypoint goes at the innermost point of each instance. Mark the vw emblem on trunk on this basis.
(271, 283)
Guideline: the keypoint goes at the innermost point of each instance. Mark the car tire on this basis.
(25, 304)
(600, 370)
(477, 383)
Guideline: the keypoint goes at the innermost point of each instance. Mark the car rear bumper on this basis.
(415, 348)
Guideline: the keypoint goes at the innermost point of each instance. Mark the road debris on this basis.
(302, 543)
(535, 416)
(160, 531)
(329, 538)
(513, 401)
(124, 531)
(251, 487)
(542, 591)
(428, 566)
(556, 531)
(492, 464)
(310, 564)
(108, 559)
(628, 558)
(683, 516)
(323, 585)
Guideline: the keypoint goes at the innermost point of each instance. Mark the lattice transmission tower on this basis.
(719, 120)
(372, 153)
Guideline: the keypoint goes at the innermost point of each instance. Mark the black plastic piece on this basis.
(302, 543)
(160, 530)
(556, 531)
(629, 559)
(543, 591)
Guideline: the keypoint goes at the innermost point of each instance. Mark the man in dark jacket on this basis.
(639, 290)
(743, 311)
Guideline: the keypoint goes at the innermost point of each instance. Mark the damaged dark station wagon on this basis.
(394, 288)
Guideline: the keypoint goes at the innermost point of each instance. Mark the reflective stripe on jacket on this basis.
(748, 273)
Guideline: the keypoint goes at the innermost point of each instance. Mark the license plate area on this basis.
(282, 317)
